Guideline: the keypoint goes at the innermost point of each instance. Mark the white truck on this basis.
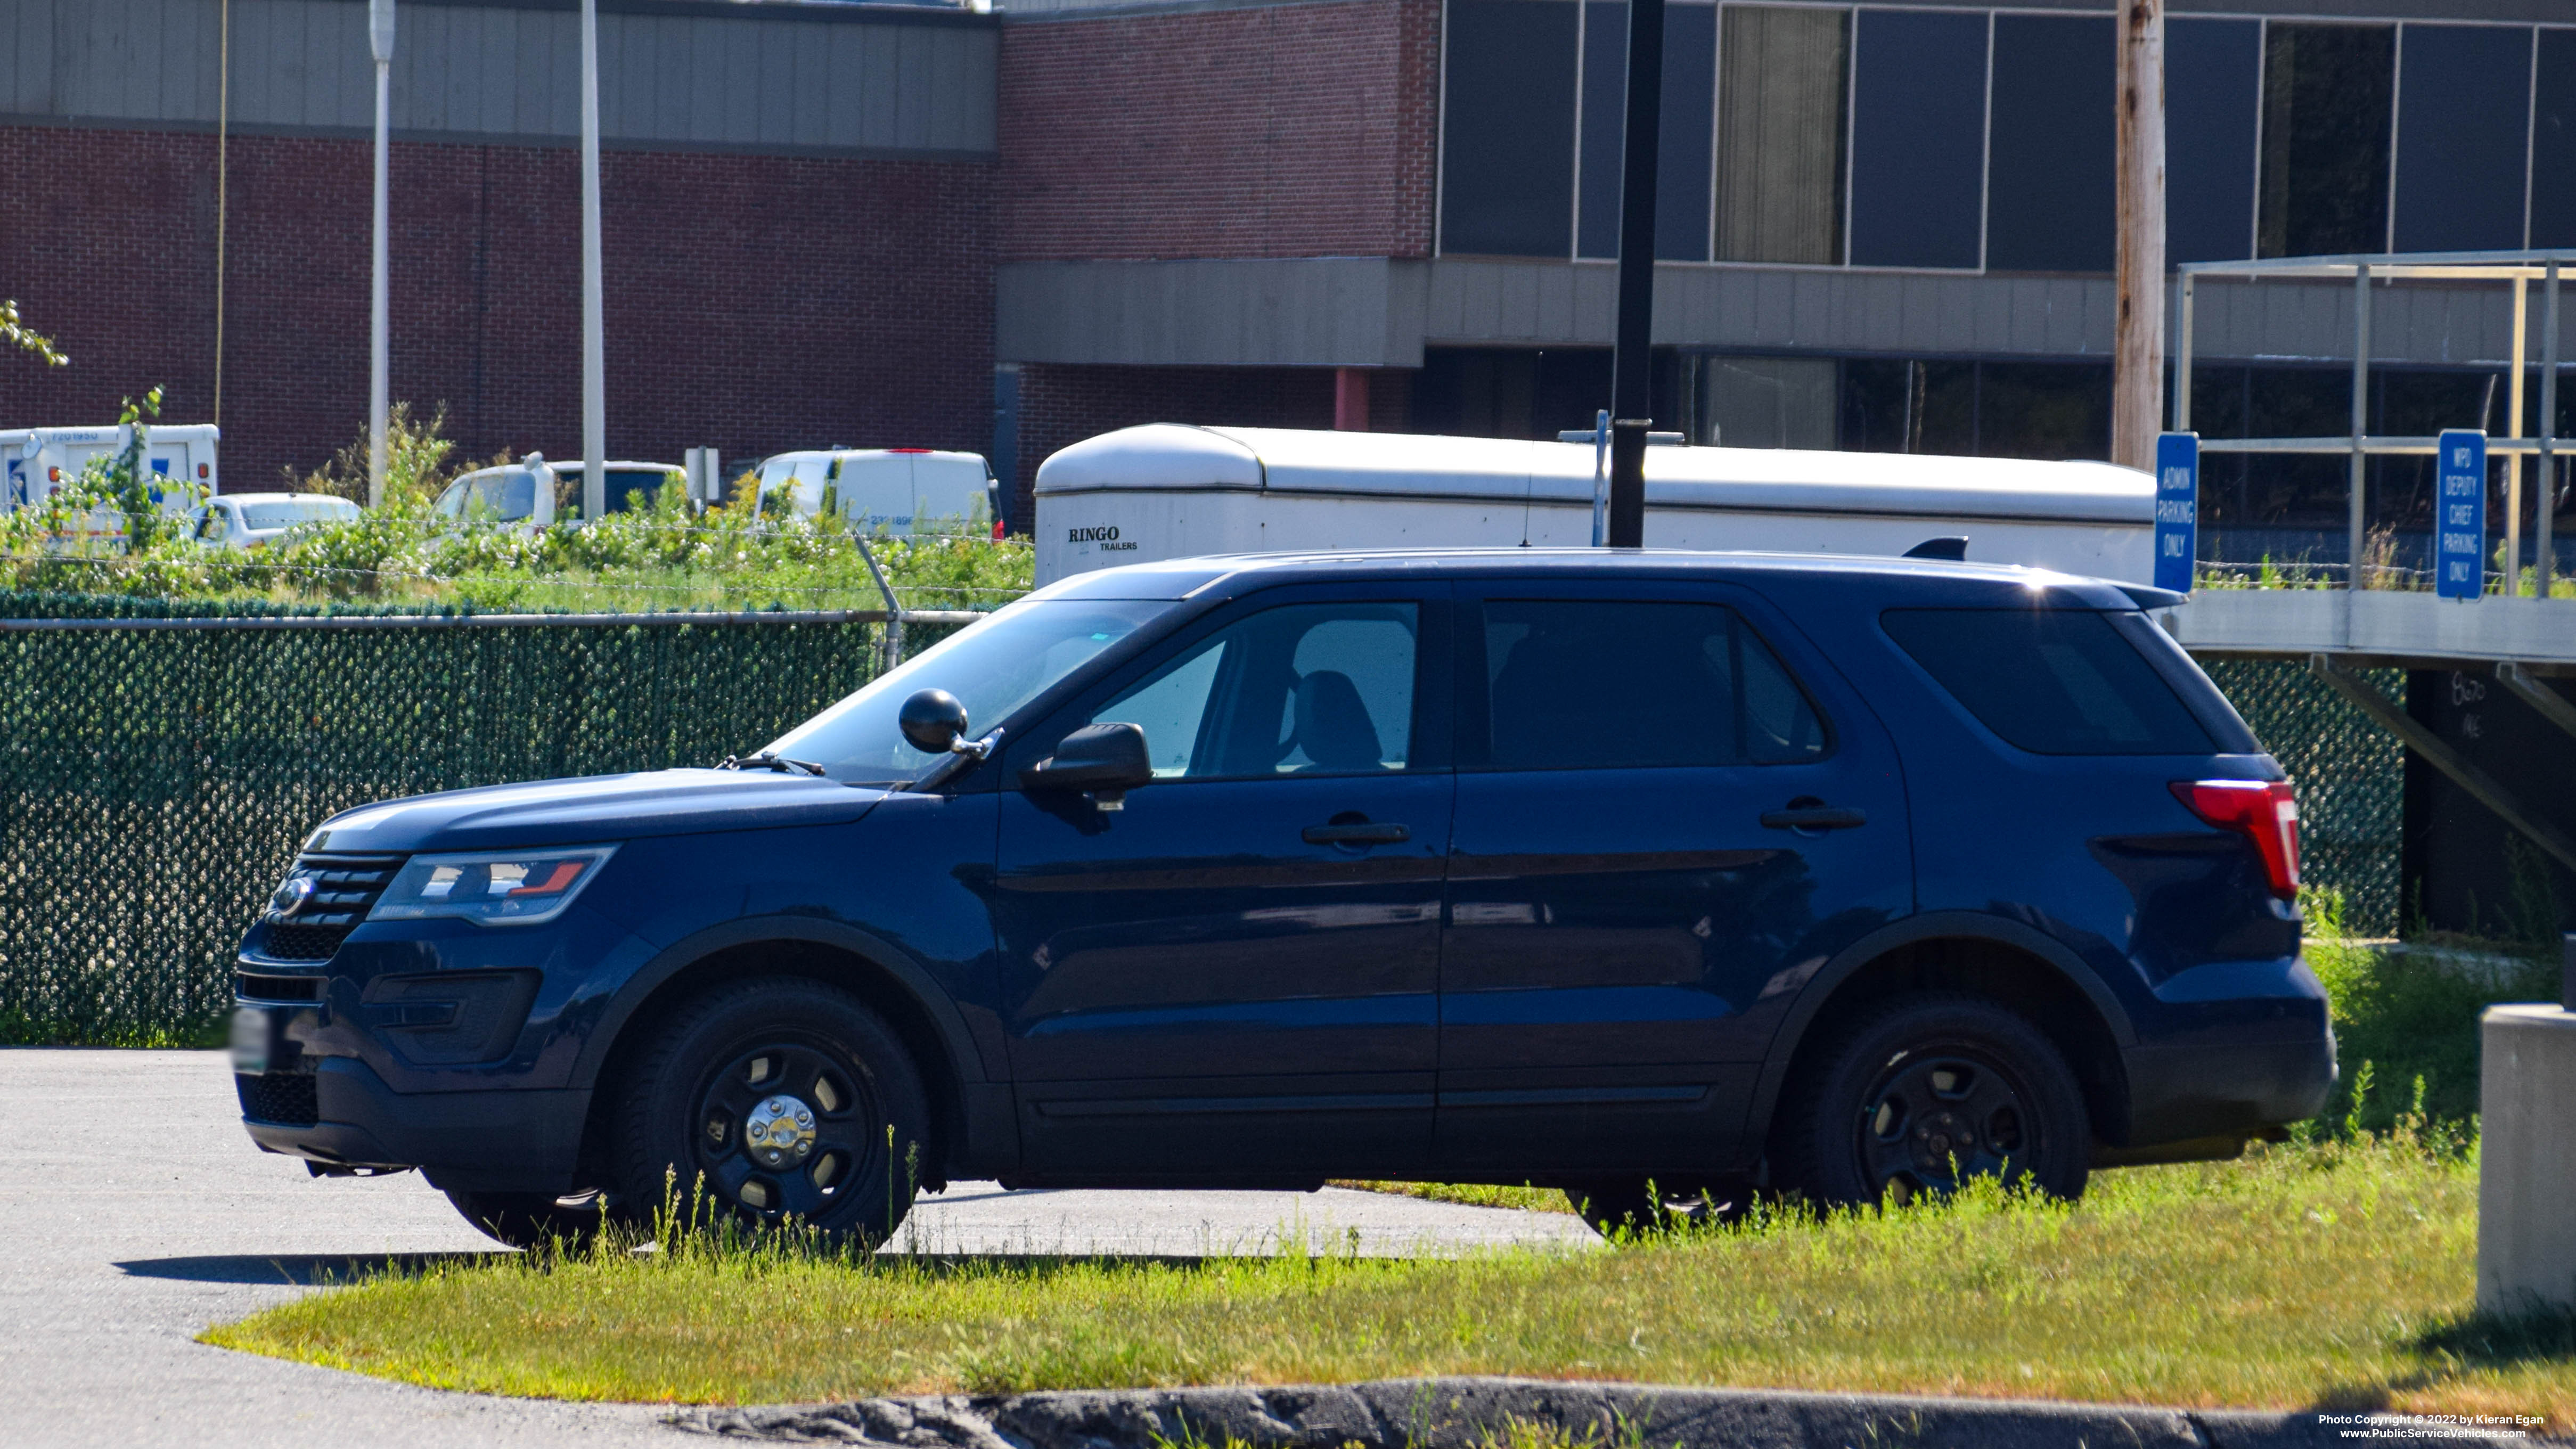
(36, 461)
(1166, 490)
(899, 491)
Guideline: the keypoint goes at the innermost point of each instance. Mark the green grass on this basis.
(1474, 1194)
(2329, 1274)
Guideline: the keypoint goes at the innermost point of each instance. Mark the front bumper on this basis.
(515, 1140)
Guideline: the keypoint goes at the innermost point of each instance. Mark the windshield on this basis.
(993, 666)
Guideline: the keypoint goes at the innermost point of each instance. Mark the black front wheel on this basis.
(1924, 1092)
(532, 1220)
(776, 1100)
(1634, 1206)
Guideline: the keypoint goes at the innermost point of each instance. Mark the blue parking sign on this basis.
(2460, 527)
(2177, 509)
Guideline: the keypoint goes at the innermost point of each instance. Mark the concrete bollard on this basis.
(2527, 1155)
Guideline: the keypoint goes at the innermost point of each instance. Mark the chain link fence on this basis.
(2350, 774)
(159, 775)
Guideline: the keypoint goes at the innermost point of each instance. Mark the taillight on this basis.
(2263, 811)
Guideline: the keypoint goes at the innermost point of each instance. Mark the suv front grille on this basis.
(288, 1099)
(345, 887)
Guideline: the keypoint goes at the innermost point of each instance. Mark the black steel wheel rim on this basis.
(847, 1129)
(1934, 1119)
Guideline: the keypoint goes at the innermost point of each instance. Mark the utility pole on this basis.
(594, 348)
(1632, 366)
(2138, 327)
(380, 39)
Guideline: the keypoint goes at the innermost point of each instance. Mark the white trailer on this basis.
(1166, 490)
(36, 461)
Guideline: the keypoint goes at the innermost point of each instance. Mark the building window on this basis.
(1918, 139)
(2046, 410)
(2553, 142)
(1781, 134)
(2327, 96)
(1682, 149)
(2213, 90)
(2463, 127)
(1766, 402)
(1507, 157)
(2049, 197)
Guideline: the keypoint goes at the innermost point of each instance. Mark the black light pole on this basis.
(1632, 366)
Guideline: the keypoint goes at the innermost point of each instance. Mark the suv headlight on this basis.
(497, 888)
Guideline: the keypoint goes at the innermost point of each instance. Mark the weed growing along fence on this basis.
(157, 780)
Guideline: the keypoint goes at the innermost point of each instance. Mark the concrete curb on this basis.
(1470, 1413)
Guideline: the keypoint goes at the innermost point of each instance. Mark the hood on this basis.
(596, 808)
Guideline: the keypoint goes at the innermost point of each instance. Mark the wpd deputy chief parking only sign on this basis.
(2460, 532)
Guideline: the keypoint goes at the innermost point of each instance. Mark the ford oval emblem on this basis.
(291, 896)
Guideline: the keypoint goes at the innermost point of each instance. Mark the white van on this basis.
(510, 493)
(252, 520)
(887, 490)
(1166, 490)
(36, 461)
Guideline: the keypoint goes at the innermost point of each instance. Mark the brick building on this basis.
(1884, 225)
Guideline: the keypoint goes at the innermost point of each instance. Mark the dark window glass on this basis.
(2327, 90)
(1605, 92)
(2213, 87)
(2463, 120)
(2047, 410)
(2553, 142)
(1765, 402)
(1682, 152)
(2050, 681)
(1305, 689)
(2048, 188)
(1507, 170)
(1781, 133)
(1681, 148)
(1918, 139)
(1524, 392)
(1599, 684)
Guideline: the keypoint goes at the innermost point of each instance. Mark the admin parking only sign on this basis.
(2177, 509)
(2460, 537)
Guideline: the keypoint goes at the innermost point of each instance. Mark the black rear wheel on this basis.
(778, 1099)
(1924, 1092)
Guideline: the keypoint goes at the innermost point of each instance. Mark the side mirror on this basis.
(933, 721)
(1107, 760)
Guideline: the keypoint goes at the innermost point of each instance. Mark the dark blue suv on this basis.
(1725, 873)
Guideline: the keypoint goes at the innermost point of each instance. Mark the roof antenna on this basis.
(1953, 549)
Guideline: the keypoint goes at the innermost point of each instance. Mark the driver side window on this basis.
(1303, 689)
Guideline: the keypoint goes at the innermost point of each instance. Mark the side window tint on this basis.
(1304, 689)
(2050, 681)
(1597, 684)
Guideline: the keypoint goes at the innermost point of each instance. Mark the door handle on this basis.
(1359, 833)
(1814, 817)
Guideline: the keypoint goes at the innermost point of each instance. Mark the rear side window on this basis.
(2050, 681)
(1609, 683)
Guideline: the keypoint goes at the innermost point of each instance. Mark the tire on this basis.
(1625, 1208)
(1925, 1091)
(784, 1099)
(531, 1220)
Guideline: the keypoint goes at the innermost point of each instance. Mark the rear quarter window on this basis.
(2050, 681)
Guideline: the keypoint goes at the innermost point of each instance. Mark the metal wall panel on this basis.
(916, 85)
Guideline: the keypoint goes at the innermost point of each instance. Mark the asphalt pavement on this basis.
(137, 1214)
